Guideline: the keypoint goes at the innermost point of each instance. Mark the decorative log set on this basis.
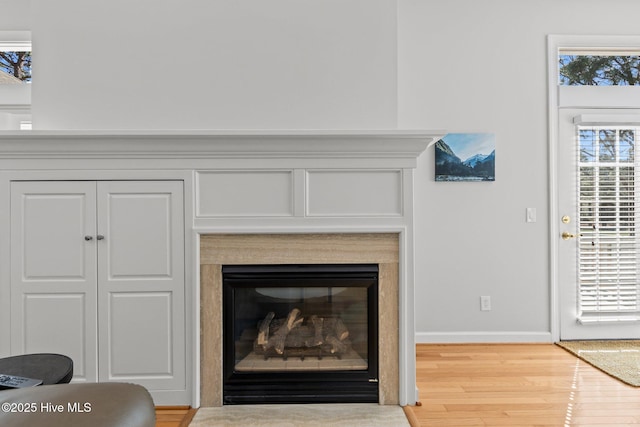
(297, 337)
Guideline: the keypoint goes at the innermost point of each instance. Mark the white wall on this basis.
(462, 65)
(241, 64)
(5, 121)
(12, 120)
(480, 66)
(15, 15)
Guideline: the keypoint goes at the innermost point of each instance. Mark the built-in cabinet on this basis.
(97, 273)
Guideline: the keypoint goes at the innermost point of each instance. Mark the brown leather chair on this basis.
(78, 405)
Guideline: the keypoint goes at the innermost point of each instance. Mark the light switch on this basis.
(531, 214)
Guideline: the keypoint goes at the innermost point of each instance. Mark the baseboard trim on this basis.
(483, 337)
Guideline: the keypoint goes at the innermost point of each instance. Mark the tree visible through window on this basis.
(595, 70)
(16, 64)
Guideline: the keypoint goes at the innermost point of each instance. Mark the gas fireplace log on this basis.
(337, 346)
(342, 333)
(277, 341)
(335, 326)
(294, 319)
(318, 323)
(325, 334)
(263, 332)
(299, 338)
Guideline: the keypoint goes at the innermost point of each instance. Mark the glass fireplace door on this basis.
(300, 333)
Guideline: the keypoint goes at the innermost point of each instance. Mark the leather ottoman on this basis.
(78, 405)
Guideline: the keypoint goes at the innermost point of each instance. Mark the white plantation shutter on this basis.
(607, 220)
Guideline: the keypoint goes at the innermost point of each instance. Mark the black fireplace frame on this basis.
(339, 386)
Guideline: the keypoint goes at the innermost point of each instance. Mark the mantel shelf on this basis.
(215, 144)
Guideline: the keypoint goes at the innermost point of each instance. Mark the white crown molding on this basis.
(214, 144)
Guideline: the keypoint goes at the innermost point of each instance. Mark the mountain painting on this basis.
(466, 157)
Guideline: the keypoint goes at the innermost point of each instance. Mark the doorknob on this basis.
(100, 237)
(566, 235)
(88, 238)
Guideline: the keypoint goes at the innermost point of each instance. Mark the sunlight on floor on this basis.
(574, 386)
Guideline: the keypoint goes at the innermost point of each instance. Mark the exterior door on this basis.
(53, 272)
(597, 240)
(141, 283)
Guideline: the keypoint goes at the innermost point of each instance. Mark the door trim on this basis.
(554, 44)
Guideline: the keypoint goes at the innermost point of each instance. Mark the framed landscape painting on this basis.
(466, 157)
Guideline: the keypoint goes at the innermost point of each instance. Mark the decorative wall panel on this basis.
(354, 193)
(244, 193)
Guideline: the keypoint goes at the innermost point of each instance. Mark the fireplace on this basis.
(264, 250)
(301, 333)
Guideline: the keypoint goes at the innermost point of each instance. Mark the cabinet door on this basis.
(141, 283)
(53, 272)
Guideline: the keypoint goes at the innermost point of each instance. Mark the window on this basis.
(580, 69)
(15, 66)
(15, 71)
(607, 218)
(15, 57)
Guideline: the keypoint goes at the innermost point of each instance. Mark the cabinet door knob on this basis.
(88, 238)
(100, 237)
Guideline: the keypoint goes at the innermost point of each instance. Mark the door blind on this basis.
(607, 218)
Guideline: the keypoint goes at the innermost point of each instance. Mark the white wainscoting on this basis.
(355, 192)
(245, 193)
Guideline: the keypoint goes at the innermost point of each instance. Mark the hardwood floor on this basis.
(174, 416)
(517, 385)
(503, 385)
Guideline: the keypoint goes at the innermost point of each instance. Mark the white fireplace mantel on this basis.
(236, 182)
(406, 144)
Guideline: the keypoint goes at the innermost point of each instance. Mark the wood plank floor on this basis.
(503, 385)
(518, 385)
(174, 416)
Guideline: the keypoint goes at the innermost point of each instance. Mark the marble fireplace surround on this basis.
(343, 248)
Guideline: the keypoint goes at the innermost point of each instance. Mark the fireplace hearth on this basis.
(304, 333)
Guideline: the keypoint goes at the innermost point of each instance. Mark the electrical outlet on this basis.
(485, 303)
